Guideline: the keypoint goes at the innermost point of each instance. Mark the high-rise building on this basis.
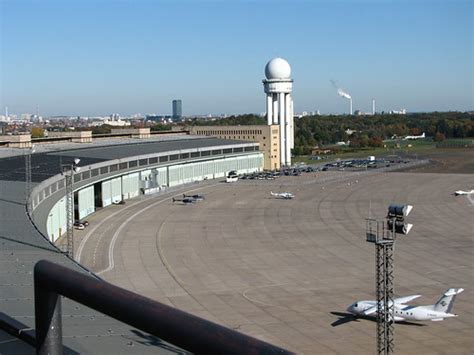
(177, 109)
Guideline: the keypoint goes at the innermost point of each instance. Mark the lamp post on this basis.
(383, 234)
(68, 171)
(28, 177)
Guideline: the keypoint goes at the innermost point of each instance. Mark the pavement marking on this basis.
(117, 233)
(111, 264)
(165, 261)
(86, 238)
(260, 302)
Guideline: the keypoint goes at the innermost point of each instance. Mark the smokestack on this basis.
(6, 112)
(373, 106)
(350, 110)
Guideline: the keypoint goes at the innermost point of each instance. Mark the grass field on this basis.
(443, 160)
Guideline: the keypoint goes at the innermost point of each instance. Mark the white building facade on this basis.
(278, 86)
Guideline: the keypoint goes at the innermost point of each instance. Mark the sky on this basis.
(100, 57)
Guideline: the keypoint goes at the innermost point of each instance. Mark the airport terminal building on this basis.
(109, 173)
(266, 135)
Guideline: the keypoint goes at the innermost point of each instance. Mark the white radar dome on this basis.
(277, 68)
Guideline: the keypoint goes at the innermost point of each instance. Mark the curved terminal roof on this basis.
(22, 245)
(45, 165)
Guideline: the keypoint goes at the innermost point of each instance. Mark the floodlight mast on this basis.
(68, 171)
(383, 234)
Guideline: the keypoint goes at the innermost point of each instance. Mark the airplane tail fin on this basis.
(423, 135)
(445, 303)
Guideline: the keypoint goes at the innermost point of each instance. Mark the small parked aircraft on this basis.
(284, 195)
(461, 192)
(421, 136)
(404, 312)
(184, 200)
(196, 197)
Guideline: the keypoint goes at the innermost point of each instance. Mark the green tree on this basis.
(439, 137)
(37, 132)
(160, 127)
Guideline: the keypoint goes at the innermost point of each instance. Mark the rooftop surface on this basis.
(21, 246)
(46, 163)
(96, 142)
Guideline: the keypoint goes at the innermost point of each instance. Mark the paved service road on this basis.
(285, 270)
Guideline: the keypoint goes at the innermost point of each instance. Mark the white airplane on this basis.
(404, 312)
(284, 195)
(421, 136)
(461, 192)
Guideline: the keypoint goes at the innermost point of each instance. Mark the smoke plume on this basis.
(340, 91)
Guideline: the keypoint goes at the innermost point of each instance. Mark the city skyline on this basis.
(94, 58)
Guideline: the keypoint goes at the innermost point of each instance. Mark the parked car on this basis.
(78, 222)
(79, 226)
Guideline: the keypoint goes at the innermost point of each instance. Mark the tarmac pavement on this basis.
(285, 270)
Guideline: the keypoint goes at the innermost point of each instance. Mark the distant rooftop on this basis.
(101, 142)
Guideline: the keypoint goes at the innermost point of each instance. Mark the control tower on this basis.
(278, 86)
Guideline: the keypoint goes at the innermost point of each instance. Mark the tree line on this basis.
(371, 131)
(364, 131)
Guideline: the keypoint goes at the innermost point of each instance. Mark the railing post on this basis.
(48, 321)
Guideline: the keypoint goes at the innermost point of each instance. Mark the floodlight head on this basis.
(400, 226)
(399, 211)
(76, 169)
(76, 160)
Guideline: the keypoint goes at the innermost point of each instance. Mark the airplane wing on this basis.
(405, 299)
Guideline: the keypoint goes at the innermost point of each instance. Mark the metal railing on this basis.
(179, 328)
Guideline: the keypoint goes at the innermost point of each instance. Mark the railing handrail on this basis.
(172, 325)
